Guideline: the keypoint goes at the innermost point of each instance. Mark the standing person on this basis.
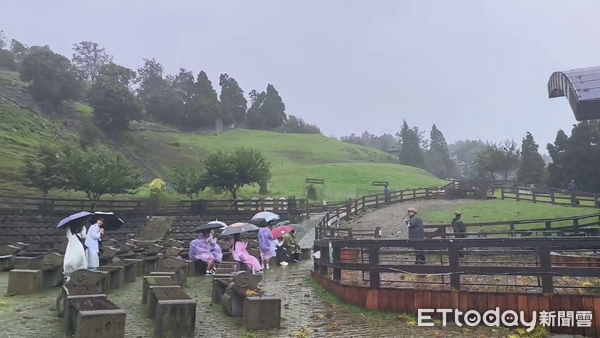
(94, 236)
(572, 188)
(415, 231)
(459, 229)
(386, 191)
(240, 254)
(200, 251)
(75, 257)
(265, 244)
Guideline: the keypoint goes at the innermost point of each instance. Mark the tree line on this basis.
(97, 171)
(119, 95)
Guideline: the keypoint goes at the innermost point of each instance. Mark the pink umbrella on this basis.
(280, 231)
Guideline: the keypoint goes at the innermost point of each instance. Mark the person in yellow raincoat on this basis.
(290, 242)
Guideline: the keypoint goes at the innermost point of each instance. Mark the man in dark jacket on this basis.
(459, 228)
(416, 230)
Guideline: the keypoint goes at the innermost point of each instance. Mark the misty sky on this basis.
(478, 69)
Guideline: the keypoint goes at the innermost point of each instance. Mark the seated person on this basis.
(215, 249)
(293, 248)
(281, 253)
(240, 254)
(200, 251)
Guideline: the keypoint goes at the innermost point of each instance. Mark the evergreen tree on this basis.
(233, 102)
(576, 157)
(273, 109)
(411, 152)
(438, 160)
(205, 108)
(255, 118)
(531, 166)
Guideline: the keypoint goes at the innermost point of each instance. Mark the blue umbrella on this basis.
(266, 215)
(74, 219)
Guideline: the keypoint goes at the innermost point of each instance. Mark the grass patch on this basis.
(478, 211)
(348, 170)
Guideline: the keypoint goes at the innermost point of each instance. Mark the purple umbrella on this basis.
(79, 217)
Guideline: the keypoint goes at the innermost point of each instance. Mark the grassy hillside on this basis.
(348, 170)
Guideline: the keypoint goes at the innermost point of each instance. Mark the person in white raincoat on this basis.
(75, 257)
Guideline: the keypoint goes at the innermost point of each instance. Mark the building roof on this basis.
(581, 87)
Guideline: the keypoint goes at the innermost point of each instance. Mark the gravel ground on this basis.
(391, 218)
(305, 314)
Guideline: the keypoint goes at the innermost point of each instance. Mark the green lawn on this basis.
(348, 170)
(478, 211)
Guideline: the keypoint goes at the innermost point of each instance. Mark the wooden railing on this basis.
(576, 198)
(525, 257)
(28, 205)
(351, 208)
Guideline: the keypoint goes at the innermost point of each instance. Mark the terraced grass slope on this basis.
(348, 170)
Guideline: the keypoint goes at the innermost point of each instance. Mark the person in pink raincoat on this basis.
(240, 254)
(200, 250)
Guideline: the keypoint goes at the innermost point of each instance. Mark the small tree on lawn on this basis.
(42, 169)
(188, 179)
(231, 171)
(98, 171)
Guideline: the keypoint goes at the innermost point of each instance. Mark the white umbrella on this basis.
(266, 215)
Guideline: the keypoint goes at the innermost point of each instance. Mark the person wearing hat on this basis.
(459, 228)
(416, 230)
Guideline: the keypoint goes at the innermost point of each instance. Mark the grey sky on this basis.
(477, 68)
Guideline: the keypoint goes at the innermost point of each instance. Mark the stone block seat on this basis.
(239, 295)
(173, 311)
(29, 272)
(85, 309)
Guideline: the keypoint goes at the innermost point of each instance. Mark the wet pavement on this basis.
(305, 313)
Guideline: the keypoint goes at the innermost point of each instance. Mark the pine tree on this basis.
(438, 161)
(273, 109)
(205, 107)
(233, 102)
(531, 166)
(411, 152)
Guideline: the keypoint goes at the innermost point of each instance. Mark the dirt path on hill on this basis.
(391, 218)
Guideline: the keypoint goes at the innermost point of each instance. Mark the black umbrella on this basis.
(214, 225)
(111, 222)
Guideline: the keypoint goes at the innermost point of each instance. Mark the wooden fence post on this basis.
(533, 199)
(454, 266)
(546, 265)
(374, 281)
(401, 196)
(502, 192)
(596, 203)
(552, 198)
(518, 198)
(337, 257)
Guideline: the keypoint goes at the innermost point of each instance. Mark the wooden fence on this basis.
(351, 208)
(518, 274)
(577, 198)
(29, 205)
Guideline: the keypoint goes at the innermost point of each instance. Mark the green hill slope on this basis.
(348, 170)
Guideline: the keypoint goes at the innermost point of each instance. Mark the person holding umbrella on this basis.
(75, 257)
(290, 242)
(200, 250)
(265, 244)
(94, 236)
(240, 254)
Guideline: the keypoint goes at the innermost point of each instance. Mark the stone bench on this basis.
(115, 276)
(82, 282)
(174, 265)
(129, 270)
(174, 312)
(93, 316)
(7, 256)
(150, 282)
(242, 298)
(31, 274)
